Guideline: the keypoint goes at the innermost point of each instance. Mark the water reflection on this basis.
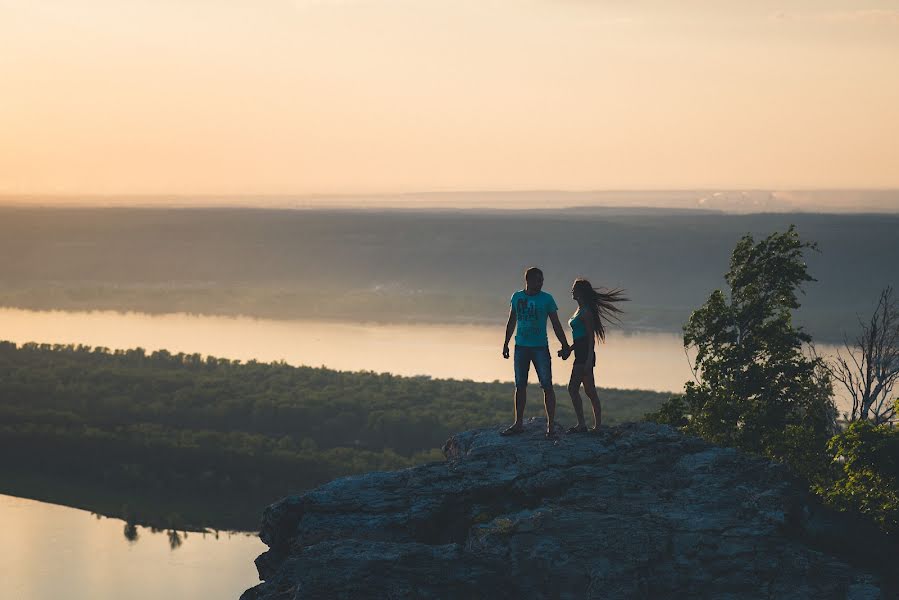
(49, 551)
(175, 539)
(131, 533)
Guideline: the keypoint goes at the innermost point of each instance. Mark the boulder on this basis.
(636, 511)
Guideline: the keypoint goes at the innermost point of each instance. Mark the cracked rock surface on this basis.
(637, 511)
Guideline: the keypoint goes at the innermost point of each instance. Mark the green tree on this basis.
(868, 479)
(754, 388)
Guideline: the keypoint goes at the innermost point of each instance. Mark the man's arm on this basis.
(557, 328)
(510, 329)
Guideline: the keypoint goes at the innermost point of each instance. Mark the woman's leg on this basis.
(574, 386)
(590, 390)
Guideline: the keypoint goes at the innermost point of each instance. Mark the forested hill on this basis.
(443, 266)
(141, 424)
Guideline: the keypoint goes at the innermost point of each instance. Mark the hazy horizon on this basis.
(299, 97)
(725, 201)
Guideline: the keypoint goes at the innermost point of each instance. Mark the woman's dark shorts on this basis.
(581, 347)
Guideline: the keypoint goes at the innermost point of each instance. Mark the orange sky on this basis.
(356, 96)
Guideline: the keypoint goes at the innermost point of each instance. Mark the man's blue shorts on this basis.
(524, 356)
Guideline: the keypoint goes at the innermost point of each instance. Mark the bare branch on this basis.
(870, 368)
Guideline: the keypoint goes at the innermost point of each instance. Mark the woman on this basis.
(586, 323)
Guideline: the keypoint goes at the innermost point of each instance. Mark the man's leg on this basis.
(522, 364)
(521, 398)
(543, 366)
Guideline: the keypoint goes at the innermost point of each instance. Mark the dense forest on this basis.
(187, 441)
(394, 265)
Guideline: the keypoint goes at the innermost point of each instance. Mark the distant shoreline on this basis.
(713, 200)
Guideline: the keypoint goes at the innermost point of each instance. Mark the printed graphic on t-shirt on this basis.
(531, 312)
(526, 309)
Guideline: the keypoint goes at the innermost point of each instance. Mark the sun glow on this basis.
(311, 96)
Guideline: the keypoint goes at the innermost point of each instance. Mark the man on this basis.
(529, 310)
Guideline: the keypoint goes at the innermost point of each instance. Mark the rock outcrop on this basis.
(637, 511)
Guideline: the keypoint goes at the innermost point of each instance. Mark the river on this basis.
(652, 361)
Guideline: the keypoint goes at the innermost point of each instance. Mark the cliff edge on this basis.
(637, 511)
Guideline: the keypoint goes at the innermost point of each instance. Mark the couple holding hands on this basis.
(529, 310)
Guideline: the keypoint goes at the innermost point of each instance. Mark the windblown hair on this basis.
(600, 303)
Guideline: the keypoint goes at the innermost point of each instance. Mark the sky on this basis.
(389, 96)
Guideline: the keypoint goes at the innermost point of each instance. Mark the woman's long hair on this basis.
(600, 303)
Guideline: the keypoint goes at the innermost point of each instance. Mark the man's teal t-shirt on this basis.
(532, 312)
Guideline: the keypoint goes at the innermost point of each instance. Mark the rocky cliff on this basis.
(637, 511)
